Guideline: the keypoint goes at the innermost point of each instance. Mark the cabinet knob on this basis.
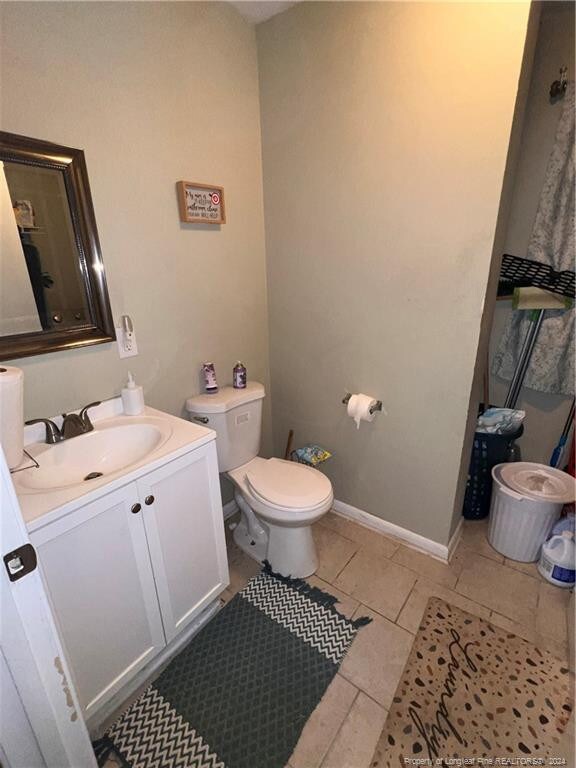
(136, 508)
(149, 500)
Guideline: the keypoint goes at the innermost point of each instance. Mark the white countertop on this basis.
(41, 507)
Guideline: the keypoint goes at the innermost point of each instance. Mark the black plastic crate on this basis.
(487, 451)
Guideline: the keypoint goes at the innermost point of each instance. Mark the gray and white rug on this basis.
(239, 695)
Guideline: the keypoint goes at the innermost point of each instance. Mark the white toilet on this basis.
(279, 500)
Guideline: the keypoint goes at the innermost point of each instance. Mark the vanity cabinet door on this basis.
(97, 568)
(185, 530)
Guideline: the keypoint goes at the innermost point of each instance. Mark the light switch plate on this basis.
(123, 350)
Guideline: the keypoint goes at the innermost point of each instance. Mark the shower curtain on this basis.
(552, 363)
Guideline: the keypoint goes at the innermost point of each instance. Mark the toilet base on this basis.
(290, 551)
(255, 548)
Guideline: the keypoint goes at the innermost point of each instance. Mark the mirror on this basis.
(53, 292)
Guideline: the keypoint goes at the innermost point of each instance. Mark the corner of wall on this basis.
(497, 252)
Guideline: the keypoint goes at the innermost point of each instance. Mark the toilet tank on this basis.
(236, 417)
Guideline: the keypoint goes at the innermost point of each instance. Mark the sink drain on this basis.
(93, 475)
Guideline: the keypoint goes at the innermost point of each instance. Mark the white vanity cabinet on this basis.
(127, 572)
(97, 568)
(185, 536)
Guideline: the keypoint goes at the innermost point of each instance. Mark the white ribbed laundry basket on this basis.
(527, 499)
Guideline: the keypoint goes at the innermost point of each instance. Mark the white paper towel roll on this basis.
(359, 408)
(12, 414)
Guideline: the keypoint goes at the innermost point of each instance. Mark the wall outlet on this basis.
(127, 346)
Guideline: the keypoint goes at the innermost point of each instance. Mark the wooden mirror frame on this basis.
(21, 149)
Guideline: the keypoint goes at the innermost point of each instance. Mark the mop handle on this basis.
(524, 359)
(558, 451)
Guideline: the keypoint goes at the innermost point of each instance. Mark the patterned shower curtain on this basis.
(552, 363)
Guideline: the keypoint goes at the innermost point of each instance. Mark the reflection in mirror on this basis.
(52, 284)
(41, 286)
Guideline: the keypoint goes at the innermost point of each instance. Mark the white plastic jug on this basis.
(557, 561)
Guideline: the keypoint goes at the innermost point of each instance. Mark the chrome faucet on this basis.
(73, 424)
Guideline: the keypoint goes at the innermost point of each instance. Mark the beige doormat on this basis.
(474, 694)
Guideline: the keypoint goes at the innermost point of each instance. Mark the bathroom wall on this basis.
(385, 135)
(153, 93)
(545, 413)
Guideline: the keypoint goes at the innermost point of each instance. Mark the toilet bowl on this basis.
(278, 500)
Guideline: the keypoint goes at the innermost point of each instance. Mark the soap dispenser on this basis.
(132, 397)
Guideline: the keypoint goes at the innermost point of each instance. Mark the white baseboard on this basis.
(411, 539)
(229, 509)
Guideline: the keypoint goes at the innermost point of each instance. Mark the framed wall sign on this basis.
(200, 203)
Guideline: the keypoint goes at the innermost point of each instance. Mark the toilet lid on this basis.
(288, 484)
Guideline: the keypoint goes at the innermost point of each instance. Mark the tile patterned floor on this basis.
(373, 575)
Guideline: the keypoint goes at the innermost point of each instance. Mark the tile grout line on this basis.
(404, 605)
(365, 550)
(489, 607)
(352, 556)
(420, 575)
(342, 536)
(369, 696)
(395, 620)
(382, 616)
(395, 542)
(418, 578)
(333, 739)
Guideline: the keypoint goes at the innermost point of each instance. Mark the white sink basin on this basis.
(109, 448)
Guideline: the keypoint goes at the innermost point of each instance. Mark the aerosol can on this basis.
(239, 376)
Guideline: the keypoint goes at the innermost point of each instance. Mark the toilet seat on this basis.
(311, 488)
(286, 485)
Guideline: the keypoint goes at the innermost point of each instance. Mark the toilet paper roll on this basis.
(359, 408)
(12, 414)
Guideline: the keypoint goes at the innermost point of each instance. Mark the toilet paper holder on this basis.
(373, 408)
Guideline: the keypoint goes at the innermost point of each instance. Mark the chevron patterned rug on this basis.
(239, 695)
